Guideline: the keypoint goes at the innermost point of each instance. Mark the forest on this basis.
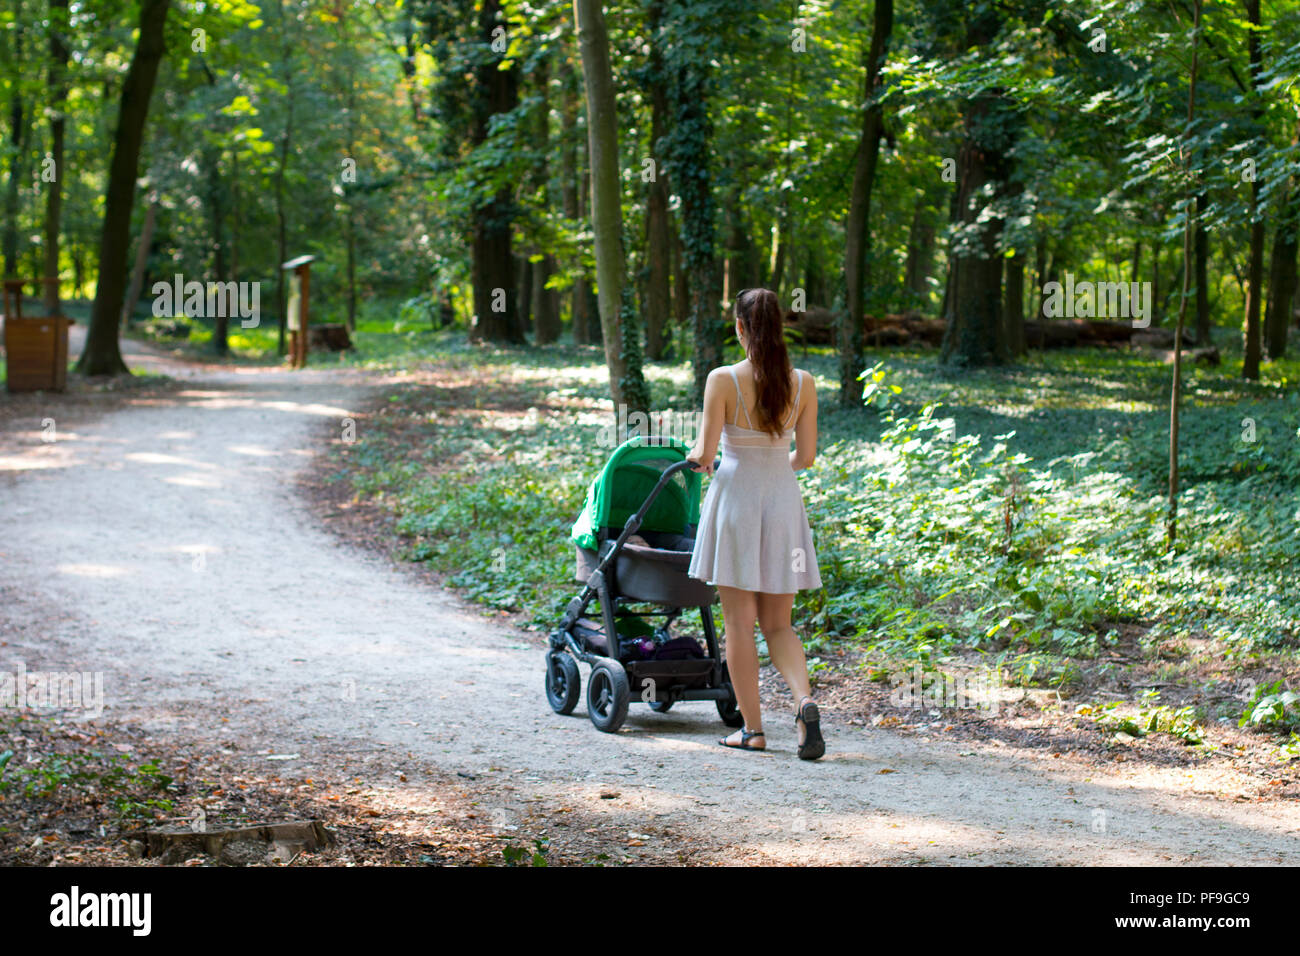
(947, 161)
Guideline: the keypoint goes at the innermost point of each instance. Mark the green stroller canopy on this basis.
(627, 480)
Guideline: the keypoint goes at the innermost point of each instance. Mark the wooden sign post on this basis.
(296, 308)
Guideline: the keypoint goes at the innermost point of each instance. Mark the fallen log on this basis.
(816, 326)
(1160, 338)
(1202, 356)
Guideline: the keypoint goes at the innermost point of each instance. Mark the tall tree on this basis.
(1282, 268)
(857, 238)
(58, 98)
(622, 345)
(1189, 230)
(19, 125)
(658, 239)
(1202, 246)
(545, 304)
(1255, 269)
(975, 334)
(102, 356)
(688, 147)
(496, 91)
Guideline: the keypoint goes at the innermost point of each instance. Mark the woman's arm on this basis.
(805, 429)
(715, 413)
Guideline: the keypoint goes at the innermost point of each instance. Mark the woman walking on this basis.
(753, 542)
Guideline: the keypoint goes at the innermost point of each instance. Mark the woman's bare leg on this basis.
(784, 646)
(739, 612)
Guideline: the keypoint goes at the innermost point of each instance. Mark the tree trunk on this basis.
(571, 189)
(689, 152)
(234, 213)
(141, 260)
(1040, 272)
(1013, 315)
(1200, 245)
(1255, 271)
(524, 269)
(1157, 307)
(102, 355)
(18, 135)
(545, 306)
(782, 228)
(216, 203)
(78, 269)
(857, 237)
(496, 302)
(920, 250)
(54, 191)
(975, 332)
(545, 303)
(587, 310)
(1282, 269)
(622, 345)
(1175, 397)
(350, 224)
(1282, 280)
(657, 293)
(281, 214)
(681, 283)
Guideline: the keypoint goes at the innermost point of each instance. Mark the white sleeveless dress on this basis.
(753, 532)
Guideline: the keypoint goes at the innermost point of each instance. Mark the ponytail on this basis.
(762, 319)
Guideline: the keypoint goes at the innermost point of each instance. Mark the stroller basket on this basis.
(656, 574)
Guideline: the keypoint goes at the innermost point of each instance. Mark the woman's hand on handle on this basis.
(697, 466)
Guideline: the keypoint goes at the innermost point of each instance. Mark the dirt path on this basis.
(160, 544)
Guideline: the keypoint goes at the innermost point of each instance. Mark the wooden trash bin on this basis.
(36, 349)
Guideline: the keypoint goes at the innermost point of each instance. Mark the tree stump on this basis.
(236, 846)
(331, 338)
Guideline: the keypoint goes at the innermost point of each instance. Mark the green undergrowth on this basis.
(134, 791)
(1015, 513)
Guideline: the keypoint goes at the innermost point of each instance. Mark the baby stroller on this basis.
(648, 488)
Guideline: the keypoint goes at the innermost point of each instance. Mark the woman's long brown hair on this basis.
(762, 319)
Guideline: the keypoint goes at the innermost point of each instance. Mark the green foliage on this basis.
(931, 540)
(522, 856)
(1273, 708)
(934, 535)
(875, 391)
(134, 793)
(1154, 718)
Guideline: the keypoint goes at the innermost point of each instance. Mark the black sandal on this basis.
(813, 745)
(745, 736)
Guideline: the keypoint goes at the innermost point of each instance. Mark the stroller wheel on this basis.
(661, 706)
(728, 709)
(562, 683)
(607, 695)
